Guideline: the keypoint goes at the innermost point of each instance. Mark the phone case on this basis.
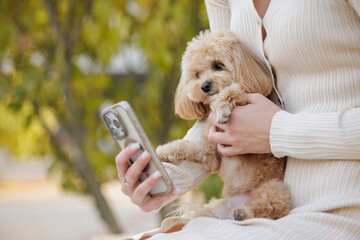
(125, 128)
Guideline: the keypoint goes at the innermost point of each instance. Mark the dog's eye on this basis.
(218, 66)
(197, 74)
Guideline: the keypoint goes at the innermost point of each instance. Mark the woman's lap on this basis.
(295, 226)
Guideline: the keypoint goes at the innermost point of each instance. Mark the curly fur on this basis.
(217, 71)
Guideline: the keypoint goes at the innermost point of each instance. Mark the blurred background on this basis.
(61, 61)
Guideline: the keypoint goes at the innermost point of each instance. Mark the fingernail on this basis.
(176, 190)
(144, 155)
(135, 146)
(156, 175)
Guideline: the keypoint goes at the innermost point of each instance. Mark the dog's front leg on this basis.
(224, 102)
(181, 150)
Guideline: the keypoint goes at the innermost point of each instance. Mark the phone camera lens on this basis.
(107, 120)
(114, 131)
(116, 123)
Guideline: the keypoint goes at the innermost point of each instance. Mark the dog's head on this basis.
(211, 62)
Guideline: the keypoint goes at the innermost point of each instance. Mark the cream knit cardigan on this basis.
(313, 49)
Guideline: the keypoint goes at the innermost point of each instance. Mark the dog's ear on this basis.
(254, 78)
(186, 108)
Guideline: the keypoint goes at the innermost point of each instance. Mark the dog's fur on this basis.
(217, 71)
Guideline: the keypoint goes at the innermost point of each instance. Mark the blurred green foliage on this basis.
(211, 187)
(49, 103)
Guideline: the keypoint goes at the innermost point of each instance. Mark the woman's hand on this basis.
(132, 187)
(248, 129)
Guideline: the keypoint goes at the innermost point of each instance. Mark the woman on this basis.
(312, 48)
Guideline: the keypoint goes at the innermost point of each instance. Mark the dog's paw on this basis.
(240, 214)
(165, 155)
(223, 114)
(162, 153)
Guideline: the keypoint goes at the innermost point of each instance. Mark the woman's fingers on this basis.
(144, 188)
(218, 136)
(142, 198)
(133, 173)
(227, 150)
(155, 203)
(132, 187)
(122, 158)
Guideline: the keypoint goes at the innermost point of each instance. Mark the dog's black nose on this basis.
(206, 87)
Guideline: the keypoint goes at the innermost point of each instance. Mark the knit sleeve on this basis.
(356, 5)
(186, 175)
(334, 135)
(219, 14)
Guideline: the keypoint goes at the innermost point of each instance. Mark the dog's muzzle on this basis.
(206, 87)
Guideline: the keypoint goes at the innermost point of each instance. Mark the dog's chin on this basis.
(202, 97)
(210, 94)
(199, 98)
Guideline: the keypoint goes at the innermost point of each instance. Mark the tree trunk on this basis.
(67, 38)
(81, 166)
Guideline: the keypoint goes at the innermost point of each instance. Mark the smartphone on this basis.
(126, 129)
